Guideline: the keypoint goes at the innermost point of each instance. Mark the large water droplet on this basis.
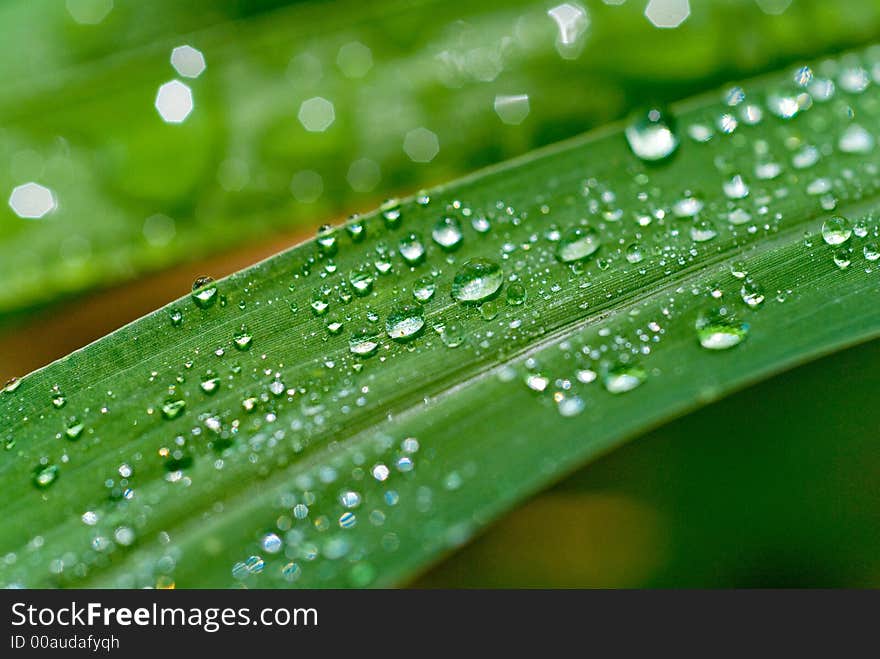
(204, 292)
(447, 233)
(652, 136)
(45, 475)
(405, 322)
(719, 329)
(752, 293)
(423, 289)
(391, 213)
(577, 243)
(412, 249)
(477, 280)
(171, 409)
(836, 230)
(326, 240)
(620, 378)
(363, 343)
(243, 339)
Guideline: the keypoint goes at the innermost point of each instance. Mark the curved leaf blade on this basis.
(358, 471)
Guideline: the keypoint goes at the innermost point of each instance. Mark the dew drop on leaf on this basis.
(74, 428)
(516, 294)
(621, 378)
(363, 343)
(172, 409)
(651, 136)
(752, 293)
(204, 292)
(412, 249)
(719, 329)
(423, 289)
(326, 240)
(243, 340)
(576, 244)
(477, 280)
(391, 213)
(405, 322)
(45, 475)
(836, 230)
(447, 233)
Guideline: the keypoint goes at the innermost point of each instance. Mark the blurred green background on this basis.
(774, 486)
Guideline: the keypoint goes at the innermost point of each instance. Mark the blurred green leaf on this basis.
(135, 194)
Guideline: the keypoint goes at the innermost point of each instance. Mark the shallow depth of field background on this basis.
(306, 112)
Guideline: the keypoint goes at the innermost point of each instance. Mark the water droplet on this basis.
(361, 280)
(577, 243)
(412, 249)
(537, 381)
(855, 139)
(210, 385)
(652, 136)
(871, 251)
(452, 335)
(620, 378)
(488, 310)
(423, 289)
(45, 475)
(74, 428)
(687, 206)
(363, 343)
(736, 188)
(327, 243)
(739, 216)
(11, 385)
(842, 258)
(405, 322)
(634, 253)
(243, 340)
(319, 303)
(171, 409)
(356, 229)
(391, 213)
(59, 400)
(803, 76)
(347, 520)
(447, 233)
(204, 292)
(718, 329)
(516, 294)
(738, 269)
(176, 317)
(752, 293)
(570, 406)
(836, 230)
(477, 280)
(702, 231)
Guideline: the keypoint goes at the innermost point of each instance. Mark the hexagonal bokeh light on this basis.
(32, 201)
(187, 61)
(316, 114)
(89, 12)
(421, 145)
(667, 13)
(174, 101)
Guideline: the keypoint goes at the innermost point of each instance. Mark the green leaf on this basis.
(135, 194)
(240, 439)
